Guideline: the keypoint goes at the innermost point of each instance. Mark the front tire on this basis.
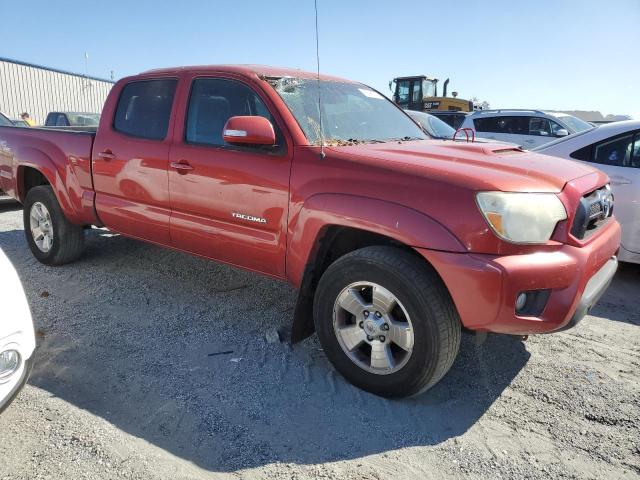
(53, 240)
(386, 321)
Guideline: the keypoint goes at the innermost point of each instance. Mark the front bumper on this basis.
(484, 288)
(10, 385)
(595, 288)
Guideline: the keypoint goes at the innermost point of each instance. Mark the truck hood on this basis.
(478, 166)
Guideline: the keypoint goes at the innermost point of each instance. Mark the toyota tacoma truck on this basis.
(394, 241)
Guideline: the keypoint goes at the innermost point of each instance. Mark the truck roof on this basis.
(259, 70)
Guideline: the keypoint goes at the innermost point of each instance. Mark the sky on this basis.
(546, 54)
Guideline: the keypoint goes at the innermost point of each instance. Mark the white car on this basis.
(17, 338)
(614, 148)
(529, 128)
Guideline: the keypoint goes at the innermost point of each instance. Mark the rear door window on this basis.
(144, 108)
(52, 119)
(508, 125)
(62, 120)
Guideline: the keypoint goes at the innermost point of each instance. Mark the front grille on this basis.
(593, 212)
(595, 209)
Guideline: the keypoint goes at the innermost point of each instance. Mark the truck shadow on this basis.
(614, 305)
(9, 205)
(172, 349)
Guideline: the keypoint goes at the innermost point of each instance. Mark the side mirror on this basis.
(561, 132)
(249, 130)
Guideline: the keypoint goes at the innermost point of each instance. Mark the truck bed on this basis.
(62, 156)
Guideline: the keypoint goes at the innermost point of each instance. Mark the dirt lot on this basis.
(153, 364)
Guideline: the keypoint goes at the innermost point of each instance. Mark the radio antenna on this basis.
(322, 155)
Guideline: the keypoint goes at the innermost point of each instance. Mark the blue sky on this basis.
(554, 54)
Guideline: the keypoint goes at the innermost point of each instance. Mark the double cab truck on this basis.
(394, 241)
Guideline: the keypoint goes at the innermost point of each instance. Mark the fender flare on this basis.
(392, 220)
(64, 183)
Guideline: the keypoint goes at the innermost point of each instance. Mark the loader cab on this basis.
(410, 91)
(421, 93)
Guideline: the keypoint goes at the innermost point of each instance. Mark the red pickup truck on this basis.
(395, 241)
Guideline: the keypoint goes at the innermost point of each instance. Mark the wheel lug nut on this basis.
(378, 314)
(382, 338)
(366, 313)
(369, 337)
(385, 327)
(361, 324)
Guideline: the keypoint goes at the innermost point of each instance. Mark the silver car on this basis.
(614, 148)
(440, 130)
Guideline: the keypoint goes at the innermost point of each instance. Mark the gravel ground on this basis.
(153, 364)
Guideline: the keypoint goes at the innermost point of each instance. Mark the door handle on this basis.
(181, 166)
(106, 155)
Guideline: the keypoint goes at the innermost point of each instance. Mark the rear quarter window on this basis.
(144, 108)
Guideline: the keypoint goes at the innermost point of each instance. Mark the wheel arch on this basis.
(36, 168)
(329, 226)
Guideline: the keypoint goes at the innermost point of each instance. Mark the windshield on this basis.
(84, 119)
(575, 123)
(433, 125)
(351, 112)
(428, 88)
(4, 121)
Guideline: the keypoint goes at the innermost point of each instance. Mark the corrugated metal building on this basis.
(39, 90)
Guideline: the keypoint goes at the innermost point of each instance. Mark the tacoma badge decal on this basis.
(250, 218)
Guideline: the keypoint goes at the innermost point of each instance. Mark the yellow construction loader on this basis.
(421, 93)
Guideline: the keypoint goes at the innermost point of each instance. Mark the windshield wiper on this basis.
(405, 139)
(358, 141)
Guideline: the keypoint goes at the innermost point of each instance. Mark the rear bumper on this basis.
(484, 288)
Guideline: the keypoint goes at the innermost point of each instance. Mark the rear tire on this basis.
(53, 240)
(398, 309)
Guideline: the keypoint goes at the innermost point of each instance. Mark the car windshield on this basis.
(575, 123)
(433, 125)
(351, 113)
(4, 121)
(84, 119)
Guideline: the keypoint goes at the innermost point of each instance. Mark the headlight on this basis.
(9, 363)
(522, 217)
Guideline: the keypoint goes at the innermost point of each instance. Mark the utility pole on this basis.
(86, 70)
